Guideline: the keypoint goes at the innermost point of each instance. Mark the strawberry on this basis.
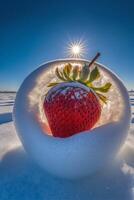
(71, 108)
(73, 105)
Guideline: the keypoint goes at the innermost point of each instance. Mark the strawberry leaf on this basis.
(68, 68)
(88, 84)
(66, 72)
(59, 74)
(104, 88)
(52, 84)
(75, 73)
(102, 97)
(95, 74)
(84, 73)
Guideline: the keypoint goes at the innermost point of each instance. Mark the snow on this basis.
(21, 178)
(66, 86)
(79, 155)
(6, 104)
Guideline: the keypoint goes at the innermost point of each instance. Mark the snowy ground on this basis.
(21, 178)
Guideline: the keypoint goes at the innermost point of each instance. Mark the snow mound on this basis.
(81, 154)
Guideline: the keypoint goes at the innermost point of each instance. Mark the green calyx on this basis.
(84, 76)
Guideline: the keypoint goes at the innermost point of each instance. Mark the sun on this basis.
(76, 49)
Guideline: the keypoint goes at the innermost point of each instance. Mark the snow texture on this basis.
(21, 178)
(80, 155)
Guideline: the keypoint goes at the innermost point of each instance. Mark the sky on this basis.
(34, 32)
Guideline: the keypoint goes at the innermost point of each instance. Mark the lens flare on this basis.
(76, 49)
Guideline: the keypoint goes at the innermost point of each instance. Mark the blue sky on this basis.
(33, 32)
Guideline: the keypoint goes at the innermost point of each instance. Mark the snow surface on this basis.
(21, 178)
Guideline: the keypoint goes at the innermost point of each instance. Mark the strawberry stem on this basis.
(94, 59)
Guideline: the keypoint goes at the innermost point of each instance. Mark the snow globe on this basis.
(81, 154)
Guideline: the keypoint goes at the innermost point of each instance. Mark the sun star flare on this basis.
(76, 49)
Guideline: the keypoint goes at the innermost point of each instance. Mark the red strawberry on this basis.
(73, 105)
(71, 108)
